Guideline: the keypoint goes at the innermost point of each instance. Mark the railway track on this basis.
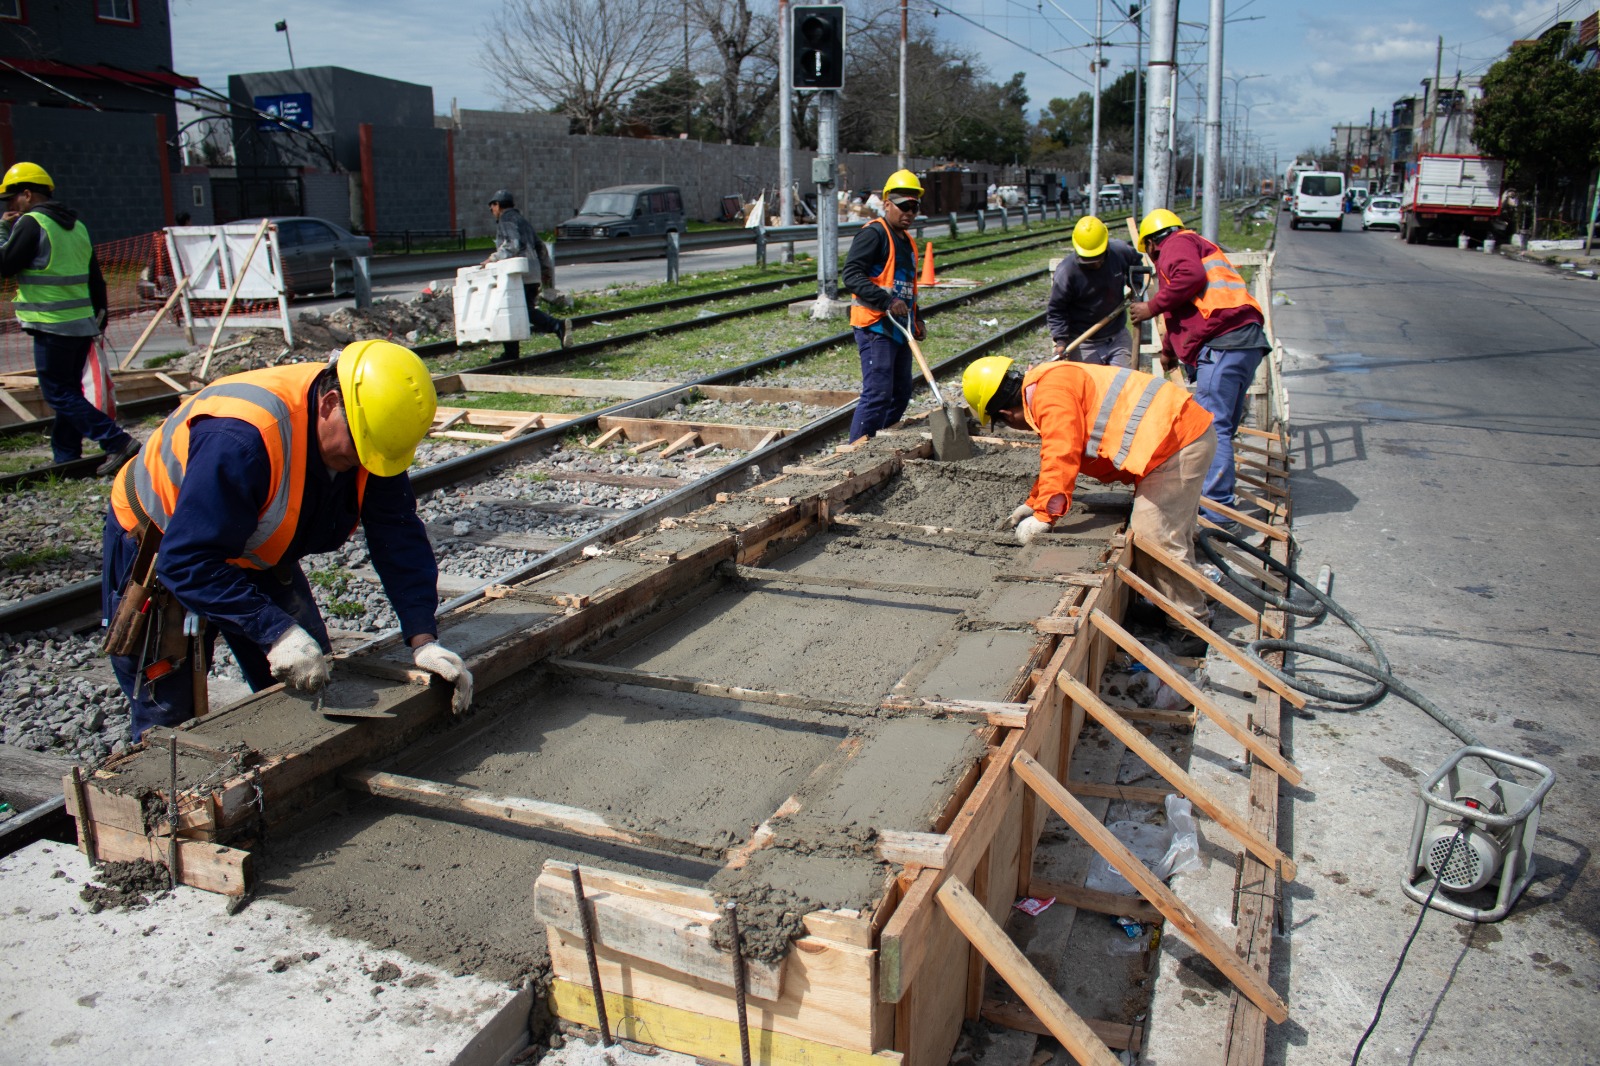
(75, 606)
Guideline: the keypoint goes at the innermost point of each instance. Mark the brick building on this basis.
(87, 92)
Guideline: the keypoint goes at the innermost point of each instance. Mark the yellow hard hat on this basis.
(1089, 238)
(24, 174)
(902, 180)
(980, 381)
(1156, 221)
(389, 402)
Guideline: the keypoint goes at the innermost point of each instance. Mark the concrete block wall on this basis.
(191, 193)
(107, 165)
(329, 196)
(550, 172)
(411, 178)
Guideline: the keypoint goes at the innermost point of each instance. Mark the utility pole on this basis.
(1136, 16)
(1158, 151)
(1094, 143)
(901, 152)
(1432, 96)
(1211, 206)
(825, 172)
(785, 127)
(1194, 156)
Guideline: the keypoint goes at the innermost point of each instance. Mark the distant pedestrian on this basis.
(881, 272)
(61, 301)
(515, 238)
(1215, 328)
(1086, 288)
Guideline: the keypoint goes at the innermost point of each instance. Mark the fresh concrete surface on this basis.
(1446, 439)
(181, 981)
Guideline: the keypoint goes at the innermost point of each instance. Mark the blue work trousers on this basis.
(169, 700)
(885, 383)
(59, 362)
(1222, 384)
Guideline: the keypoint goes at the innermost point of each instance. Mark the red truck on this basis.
(1451, 195)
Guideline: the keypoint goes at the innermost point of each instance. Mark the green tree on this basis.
(1541, 114)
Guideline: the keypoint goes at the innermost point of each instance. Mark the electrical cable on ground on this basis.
(1405, 949)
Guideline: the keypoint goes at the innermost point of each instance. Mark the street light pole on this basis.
(1211, 207)
(283, 28)
(1158, 150)
(1094, 144)
(901, 150)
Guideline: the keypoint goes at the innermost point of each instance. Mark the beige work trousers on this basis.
(1166, 503)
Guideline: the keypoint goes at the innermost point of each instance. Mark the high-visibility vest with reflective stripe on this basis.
(276, 402)
(860, 313)
(1224, 287)
(1130, 414)
(60, 291)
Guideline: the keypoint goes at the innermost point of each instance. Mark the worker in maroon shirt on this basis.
(1215, 328)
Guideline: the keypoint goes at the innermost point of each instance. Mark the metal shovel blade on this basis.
(951, 442)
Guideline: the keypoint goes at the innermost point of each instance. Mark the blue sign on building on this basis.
(291, 108)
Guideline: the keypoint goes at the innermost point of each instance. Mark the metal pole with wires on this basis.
(1135, 16)
(1094, 144)
(1210, 207)
(785, 128)
(1158, 130)
(901, 149)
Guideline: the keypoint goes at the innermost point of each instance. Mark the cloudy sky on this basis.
(1318, 62)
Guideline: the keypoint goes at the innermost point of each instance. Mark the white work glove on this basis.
(296, 659)
(438, 659)
(1010, 522)
(1030, 528)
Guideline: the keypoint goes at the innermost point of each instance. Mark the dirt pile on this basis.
(124, 885)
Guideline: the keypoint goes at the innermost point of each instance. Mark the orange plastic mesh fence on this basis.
(139, 279)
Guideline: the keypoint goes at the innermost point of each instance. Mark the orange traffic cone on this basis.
(927, 268)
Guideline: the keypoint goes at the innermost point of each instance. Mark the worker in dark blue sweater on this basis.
(208, 526)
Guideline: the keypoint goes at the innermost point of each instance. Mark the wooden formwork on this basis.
(22, 401)
(895, 980)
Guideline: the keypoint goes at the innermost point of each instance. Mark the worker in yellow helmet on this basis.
(1090, 286)
(1115, 425)
(881, 273)
(252, 474)
(61, 303)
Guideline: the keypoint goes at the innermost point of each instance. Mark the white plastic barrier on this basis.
(490, 304)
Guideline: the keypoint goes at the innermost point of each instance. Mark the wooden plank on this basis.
(728, 435)
(29, 778)
(991, 941)
(515, 810)
(903, 942)
(16, 408)
(649, 445)
(1209, 587)
(1091, 899)
(1127, 793)
(1267, 753)
(605, 438)
(1270, 469)
(928, 850)
(829, 398)
(1117, 1035)
(1239, 561)
(534, 385)
(1252, 431)
(855, 584)
(527, 425)
(1184, 921)
(201, 864)
(768, 439)
(1264, 486)
(677, 938)
(685, 441)
(1158, 760)
(1249, 522)
(1277, 509)
(1223, 645)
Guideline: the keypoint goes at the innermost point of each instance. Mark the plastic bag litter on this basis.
(1144, 689)
(1166, 850)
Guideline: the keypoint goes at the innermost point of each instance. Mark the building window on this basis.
(123, 11)
(11, 11)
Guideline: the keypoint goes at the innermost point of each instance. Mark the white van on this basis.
(1318, 197)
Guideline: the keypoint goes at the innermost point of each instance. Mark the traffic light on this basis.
(818, 42)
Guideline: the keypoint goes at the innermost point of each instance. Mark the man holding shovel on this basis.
(1115, 425)
(1087, 302)
(881, 272)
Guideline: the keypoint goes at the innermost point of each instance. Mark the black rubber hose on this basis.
(1380, 672)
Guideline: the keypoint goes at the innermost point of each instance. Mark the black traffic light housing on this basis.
(817, 38)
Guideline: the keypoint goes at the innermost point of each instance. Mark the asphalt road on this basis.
(1444, 410)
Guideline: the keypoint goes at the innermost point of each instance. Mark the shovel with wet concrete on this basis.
(951, 441)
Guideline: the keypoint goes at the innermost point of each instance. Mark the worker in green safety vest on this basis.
(61, 302)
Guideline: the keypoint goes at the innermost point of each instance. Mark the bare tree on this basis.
(580, 58)
(746, 79)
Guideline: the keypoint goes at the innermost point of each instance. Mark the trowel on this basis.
(951, 441)
(340, 700)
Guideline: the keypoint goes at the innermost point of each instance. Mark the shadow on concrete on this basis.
(1324, 444)
(1320, 495)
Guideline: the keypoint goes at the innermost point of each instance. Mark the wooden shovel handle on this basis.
(916, 351)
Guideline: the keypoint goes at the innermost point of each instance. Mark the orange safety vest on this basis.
(1131, 413)
(277, 403)
(1224, 287)
(860, 313)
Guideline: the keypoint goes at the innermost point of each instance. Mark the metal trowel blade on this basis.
(339, 701)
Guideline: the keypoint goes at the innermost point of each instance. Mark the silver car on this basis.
(1381, 211)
